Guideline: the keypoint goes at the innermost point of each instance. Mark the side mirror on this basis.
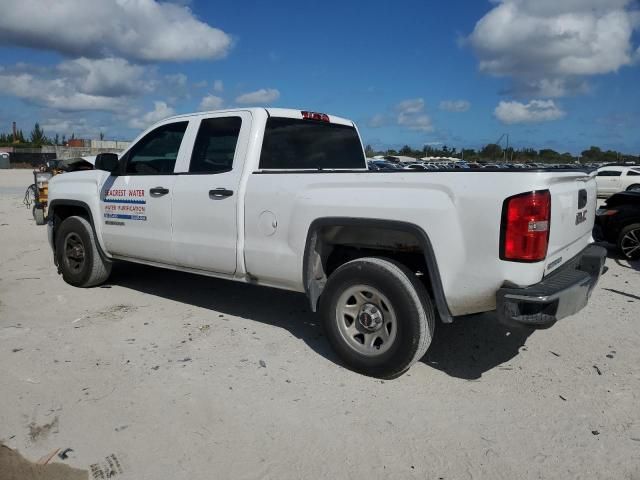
(108, 162)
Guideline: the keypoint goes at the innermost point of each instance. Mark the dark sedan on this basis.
(618, 221)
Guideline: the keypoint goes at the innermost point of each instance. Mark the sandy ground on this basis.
(179, 376)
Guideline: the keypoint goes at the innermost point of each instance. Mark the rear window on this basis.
(290, 143)
(633, 173)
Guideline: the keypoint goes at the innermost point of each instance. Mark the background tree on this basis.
(547, 155)
(37, 136)
(406, 151)
(368, 151)
(491, 151)
(591, 155)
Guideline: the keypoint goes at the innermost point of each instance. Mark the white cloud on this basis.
(410, 114)
(535, 111)
(177, 80)
(160, 111)
(264, 95)
(413, 105)
(548, 46)
(81, 84)
(174, 88)
(57, 94)
(81, 127)
(138, 29)
(455, 105)
(378, 120)
(211, 102)
(107, 77)
(218, 86)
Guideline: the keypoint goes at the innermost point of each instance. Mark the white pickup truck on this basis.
(283, 198)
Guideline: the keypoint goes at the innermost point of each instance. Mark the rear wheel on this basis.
(77, 254)
(629, 241)
(634, 188)
(378, 316)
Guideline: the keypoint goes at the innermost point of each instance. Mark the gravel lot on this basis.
(181, 376)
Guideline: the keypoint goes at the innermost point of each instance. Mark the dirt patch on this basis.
(117, 312)
(38, 431)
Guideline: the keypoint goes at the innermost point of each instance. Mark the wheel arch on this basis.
(61, 209)
(315, 256)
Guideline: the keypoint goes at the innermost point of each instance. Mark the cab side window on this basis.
(215, 145)
(157, 151)
(609, 173)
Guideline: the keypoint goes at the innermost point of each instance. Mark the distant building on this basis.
(109, 144)
(76, 142)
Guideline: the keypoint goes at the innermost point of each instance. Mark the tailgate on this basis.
(573, 206)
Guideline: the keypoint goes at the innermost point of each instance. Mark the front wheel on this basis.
(77, 254)
(629, 241)
(378, 316)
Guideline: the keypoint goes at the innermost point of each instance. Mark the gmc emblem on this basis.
(581, 217)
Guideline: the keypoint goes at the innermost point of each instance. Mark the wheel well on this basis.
(62, 212)
(330, 246)
(59, 212)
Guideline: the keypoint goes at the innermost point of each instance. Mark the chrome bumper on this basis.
(560, 294)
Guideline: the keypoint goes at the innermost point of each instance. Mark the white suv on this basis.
(613, 179)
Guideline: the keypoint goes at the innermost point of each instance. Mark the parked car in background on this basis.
(384, 165)
(416, 166)
(617, 178)
(618, 221)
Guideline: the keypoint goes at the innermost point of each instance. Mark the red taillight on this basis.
(525, 227)
(322, 117)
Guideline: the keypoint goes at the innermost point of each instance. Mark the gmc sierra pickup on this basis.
(283, 198)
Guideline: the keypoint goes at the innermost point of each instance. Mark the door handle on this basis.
(158, 191)
(219, 193)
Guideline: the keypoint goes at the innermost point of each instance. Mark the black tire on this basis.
(629, 241)
(410, 308)
(634, 188)
(77, 254)
(38, 215)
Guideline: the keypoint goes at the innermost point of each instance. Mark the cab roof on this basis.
(274, 112)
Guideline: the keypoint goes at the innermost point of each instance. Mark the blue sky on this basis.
(559, 74)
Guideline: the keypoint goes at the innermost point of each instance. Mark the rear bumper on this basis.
(560, 294)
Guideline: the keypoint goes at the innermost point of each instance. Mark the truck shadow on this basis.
(473, 345)
(614, 255)
(279, 308)
(464, 349)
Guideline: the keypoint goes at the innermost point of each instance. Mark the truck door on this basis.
(136, 204)
(206, 195)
